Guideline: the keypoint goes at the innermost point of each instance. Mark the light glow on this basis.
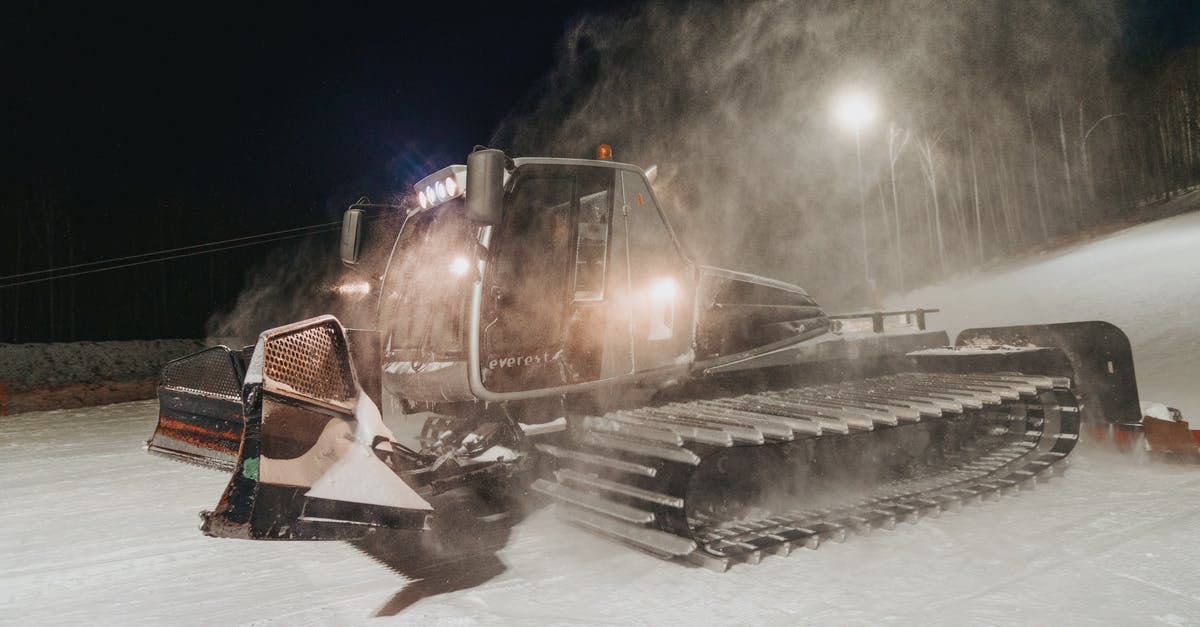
(429, 194)
(451, 186)
(459, 266)
(663, 290)
(440, 189)
(424, 200)
(353, 288)
(855, 109)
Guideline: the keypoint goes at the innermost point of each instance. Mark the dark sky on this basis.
(134, 129)
(125, 108)
(129, 129)
(282, 105)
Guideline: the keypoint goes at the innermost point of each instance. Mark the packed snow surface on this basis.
(95, 531)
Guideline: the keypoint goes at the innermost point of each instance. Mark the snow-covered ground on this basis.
(93, 530)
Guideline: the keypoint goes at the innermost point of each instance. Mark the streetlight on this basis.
(1087, 165)
(854, 110)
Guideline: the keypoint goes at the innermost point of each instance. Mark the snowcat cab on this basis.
(543, 317)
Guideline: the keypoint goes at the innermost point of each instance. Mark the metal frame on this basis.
(877, 317)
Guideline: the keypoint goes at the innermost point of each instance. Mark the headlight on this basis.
(353, 288)
(663, 290)
(459, 266)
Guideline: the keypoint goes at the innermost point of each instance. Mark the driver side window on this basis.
(591, 246)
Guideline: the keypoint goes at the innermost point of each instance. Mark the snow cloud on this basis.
(733, 102)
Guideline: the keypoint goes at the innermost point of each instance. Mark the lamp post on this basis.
(854, 109)
(1083, 151)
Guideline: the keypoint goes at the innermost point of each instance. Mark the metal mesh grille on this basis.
(312, 361)
(211, 372)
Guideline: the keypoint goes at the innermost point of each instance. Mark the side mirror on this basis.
(352, 236)
(485, 187)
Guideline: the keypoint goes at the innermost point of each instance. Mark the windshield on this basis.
(427, 287)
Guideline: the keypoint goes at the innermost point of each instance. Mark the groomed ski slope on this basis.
(95, 531)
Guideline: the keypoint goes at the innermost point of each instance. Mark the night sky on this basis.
(281, 106)
(130, 129)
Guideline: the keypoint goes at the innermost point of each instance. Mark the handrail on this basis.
(877, 317)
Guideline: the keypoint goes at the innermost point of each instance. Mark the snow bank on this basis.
(87, 362)
(78, 374)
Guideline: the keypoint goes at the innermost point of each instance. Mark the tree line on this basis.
(970, 190)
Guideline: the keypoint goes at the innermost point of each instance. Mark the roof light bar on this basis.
(441, 186)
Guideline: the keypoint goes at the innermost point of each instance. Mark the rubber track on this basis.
(628, 474)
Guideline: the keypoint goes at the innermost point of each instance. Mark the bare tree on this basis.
(1037, 186)
(897, 140)
(981, 254)
(1062, 135)
(927, 149)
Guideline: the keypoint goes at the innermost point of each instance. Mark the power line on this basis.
(104, 265)
(264, 237)
(162, 256)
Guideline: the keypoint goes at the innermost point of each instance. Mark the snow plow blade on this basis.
(311, 463)
(200, 408)
(1101, 363)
